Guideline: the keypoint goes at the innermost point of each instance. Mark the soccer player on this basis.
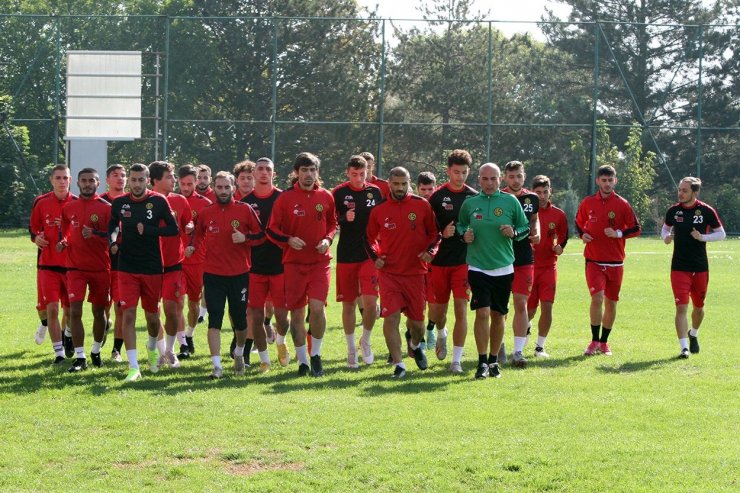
(374, 180)
(489, 223)
(266, 278)
(244, 175)
(403, 238)
(84, 237)
(514, 177)
(303, 222)
(45, 228)
(426, 183)
(203, 185)
(162, 178)
(690, 224)
(449, 272)
(604, 221)
(356, 276)
(554, 237)
(192, 266)
(141, 217)
(115, 178)
(228, 229)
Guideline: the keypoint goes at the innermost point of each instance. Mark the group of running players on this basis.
(238, 239)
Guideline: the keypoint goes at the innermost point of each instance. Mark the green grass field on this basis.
(640, 420)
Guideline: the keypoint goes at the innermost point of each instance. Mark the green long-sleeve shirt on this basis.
(485, 214)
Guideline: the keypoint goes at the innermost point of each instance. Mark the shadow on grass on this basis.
(636, 366)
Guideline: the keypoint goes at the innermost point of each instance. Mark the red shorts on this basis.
(263, 288)
(173, 285)
(193, 280)
(98, 282)
(444, 279)
(543, 287)
(402, 293)
(428, 286)
(607, 278)
(306, 282)
(148, 287)
(523, 279)
(39, 297)
(689, 284)
(355, 279)
(114, 294)
(52, 288)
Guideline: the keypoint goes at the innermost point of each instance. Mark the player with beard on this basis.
(203, 185)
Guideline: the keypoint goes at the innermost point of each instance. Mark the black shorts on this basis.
(490, 291)
(218, 289)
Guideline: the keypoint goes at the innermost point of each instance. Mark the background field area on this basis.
(640, 420)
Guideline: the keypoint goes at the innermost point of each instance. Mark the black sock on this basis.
(117, 344)
(595, 332)
(482, 359)
(44, 322)
(605, 334)
(430, 325)
(492, 359)
(248, 346)
(268, 320)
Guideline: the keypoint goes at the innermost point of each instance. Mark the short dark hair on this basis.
(138, 168)
(157, 169)
(540, 181)
(87, 170)
(606, 170)
(368, 157)
(357, 162)
(59, 167)
(460, 157)
(265, 160)
(399, 171)
(204, 167)
(694, 182)
(246, 166)
(513, 166)
(187, 170)
(426, 178)
(306, 159)
(114, 167)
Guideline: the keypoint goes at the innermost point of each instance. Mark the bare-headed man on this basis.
(203, 185)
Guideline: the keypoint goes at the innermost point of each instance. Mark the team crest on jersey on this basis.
(551, 225)
(527, 201)
(498, 212)
(194, 213)
(319, 207)
(697, 212)
(235, 223)
(369, 195)
(94, 218)
(319, 211)
(612, 214)
(149, 205)
(412, 216)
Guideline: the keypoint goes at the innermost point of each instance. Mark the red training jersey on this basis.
(173, 249)
(46, 219)
(89, 254)
(215, 225)
(308, 215)
(400, 230)
(553, 231)
(596, 214)
(197, 204)
(210, 194)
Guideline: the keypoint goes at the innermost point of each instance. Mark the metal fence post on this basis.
(489, 127)
(57, 87)
(273, 96)
(165, 110)
(381, 106)
(700, 95)
(594, 118)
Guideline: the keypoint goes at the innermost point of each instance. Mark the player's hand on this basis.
(114, 248)
(41, 240)
(296, 243)
(507, 230)
(61, 246)
(534, 239)
(695, 234)
(189, 227)
(668, 239)
(425, 257)
(189, 251)
(350, 215)
(587, 238)
(140, 228)
(380, 262)
(323, 246)
(469, 236)
(611, 232)
(237, 236)
(449, 230)
(87, 232)
(557, 249)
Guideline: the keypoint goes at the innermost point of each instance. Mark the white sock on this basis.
(541, 341)
(366, 335)
(133, 362)
(457, 352)
(203, 311)
(151, 343)
(278, 338)
(693, 332)
(216, 361)
(265, 356)
(160, 345)
(301, 355)
(402, 365)
(80, 352)
(519, 343)
(414, 346)
(239, 350)
(189, 331)
(442, 332)
(169, 342)
(96, 347)
(181, 338)
(316, 346)
(68, 332)
(351, 344)
(684, 343)
(58, 348)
